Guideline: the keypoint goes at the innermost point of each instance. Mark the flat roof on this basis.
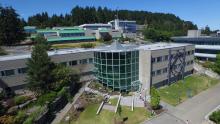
(71, 31)
(195, 38)
(46, 30)
(158, 46)
(50, 53)
(208, 47)
(205, 55)
(95, 24)
(59, 39)
(124, 21)
(114, 47)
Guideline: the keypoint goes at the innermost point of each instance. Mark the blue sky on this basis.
(201, 12)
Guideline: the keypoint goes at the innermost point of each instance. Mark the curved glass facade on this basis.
(118, 70)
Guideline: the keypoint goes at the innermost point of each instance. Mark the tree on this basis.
(11, 27)
(107, 37)
(157, 35)
(41, 40)
(39, 68)
(207, 30)
(64, 76)
(154, 98)
(216, 66)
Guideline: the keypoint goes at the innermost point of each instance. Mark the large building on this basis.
(96, 26)
(120, 67)
(206, 47)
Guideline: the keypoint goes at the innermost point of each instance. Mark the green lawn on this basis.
(88, 116)
(179, 92)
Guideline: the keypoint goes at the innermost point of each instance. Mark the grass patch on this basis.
(113, 101)
(179, 92)
(74, 45)
(88, 116)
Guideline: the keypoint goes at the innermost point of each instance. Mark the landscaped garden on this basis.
(182, 90)
(107, 117)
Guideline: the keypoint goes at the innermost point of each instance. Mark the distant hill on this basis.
(80, 15)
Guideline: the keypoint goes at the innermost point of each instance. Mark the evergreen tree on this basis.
(11, 27)
(39, 68)
(154, 98)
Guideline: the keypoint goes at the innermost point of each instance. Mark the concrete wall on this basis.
(144, 70)
(17, 81)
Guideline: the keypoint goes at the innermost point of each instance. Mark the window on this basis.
(83, 61)
(153, 60)
(22, 70)
(153, 73)
(72, 63)
(166, 58)
(9, 72)
(90, 60)
(165, 70)
(158, 72)
(2, 73)
(159, 59)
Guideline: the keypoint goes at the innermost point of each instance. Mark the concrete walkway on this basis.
(194, 110)
(165, 118)
(109, 107)
(60, 115)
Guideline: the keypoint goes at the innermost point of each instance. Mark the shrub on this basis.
(87, 45)
(2, 110)
(49, 97)
(6, 119)
(215, 117)
(20, 99)
(207, 64)
(29, 120)
(154, 98)
(19, 119)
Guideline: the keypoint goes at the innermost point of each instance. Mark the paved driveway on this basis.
(197, 107)
(165, 118)
(193, 110)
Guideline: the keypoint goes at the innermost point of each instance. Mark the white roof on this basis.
(205, 55)
(50, 53)
(208, 47)
(95, 24)
(158, 46)
(113, 48)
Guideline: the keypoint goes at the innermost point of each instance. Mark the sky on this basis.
(200, 12)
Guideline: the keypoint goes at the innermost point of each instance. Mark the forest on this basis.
(80, 15)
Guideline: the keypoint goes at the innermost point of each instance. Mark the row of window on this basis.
(164, 70)
(166, 57)
(159, 72)
(11, 72)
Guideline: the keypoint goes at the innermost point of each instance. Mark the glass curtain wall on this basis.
(118, 70)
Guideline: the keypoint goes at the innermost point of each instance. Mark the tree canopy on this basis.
(11, 27)
(81, 15)
(39, 67)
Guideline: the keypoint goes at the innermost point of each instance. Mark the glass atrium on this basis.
(117, 67)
